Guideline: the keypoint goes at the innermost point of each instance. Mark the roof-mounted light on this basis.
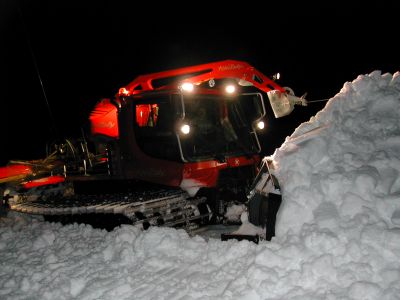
(123, 91)
(230, 89)
(187, 87)
(276, 76)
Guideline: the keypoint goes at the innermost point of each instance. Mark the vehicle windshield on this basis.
(220, 127)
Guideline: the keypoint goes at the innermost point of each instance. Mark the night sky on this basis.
(86, 50)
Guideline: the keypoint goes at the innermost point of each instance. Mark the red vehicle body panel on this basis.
(206, 173)
(43, 181)
(8, 172)
(104, 119)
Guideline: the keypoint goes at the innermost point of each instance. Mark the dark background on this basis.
(86, 50)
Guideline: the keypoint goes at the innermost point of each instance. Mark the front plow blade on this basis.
(263, 210)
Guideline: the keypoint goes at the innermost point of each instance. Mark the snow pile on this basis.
(343, 165)
(338, 229)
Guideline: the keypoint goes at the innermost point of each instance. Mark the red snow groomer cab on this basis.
(191, 127)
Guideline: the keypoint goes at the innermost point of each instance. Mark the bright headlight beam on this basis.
(185, 129)
(260, 125)
(187, 87)
(123, 91)
(276, 76)
(230, 89)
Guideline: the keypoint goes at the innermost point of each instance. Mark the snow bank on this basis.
(338, 231)
(343, 165)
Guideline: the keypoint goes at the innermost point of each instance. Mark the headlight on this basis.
(230, 89)
(276, 76)
(187, 87)
(185, 129)
(260, 125)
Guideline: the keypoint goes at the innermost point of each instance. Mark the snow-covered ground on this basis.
(338, 229)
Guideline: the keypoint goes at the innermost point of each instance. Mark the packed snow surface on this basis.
(338, 228)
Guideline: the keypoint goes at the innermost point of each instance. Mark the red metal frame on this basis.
(104, 116)
(217, 70)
